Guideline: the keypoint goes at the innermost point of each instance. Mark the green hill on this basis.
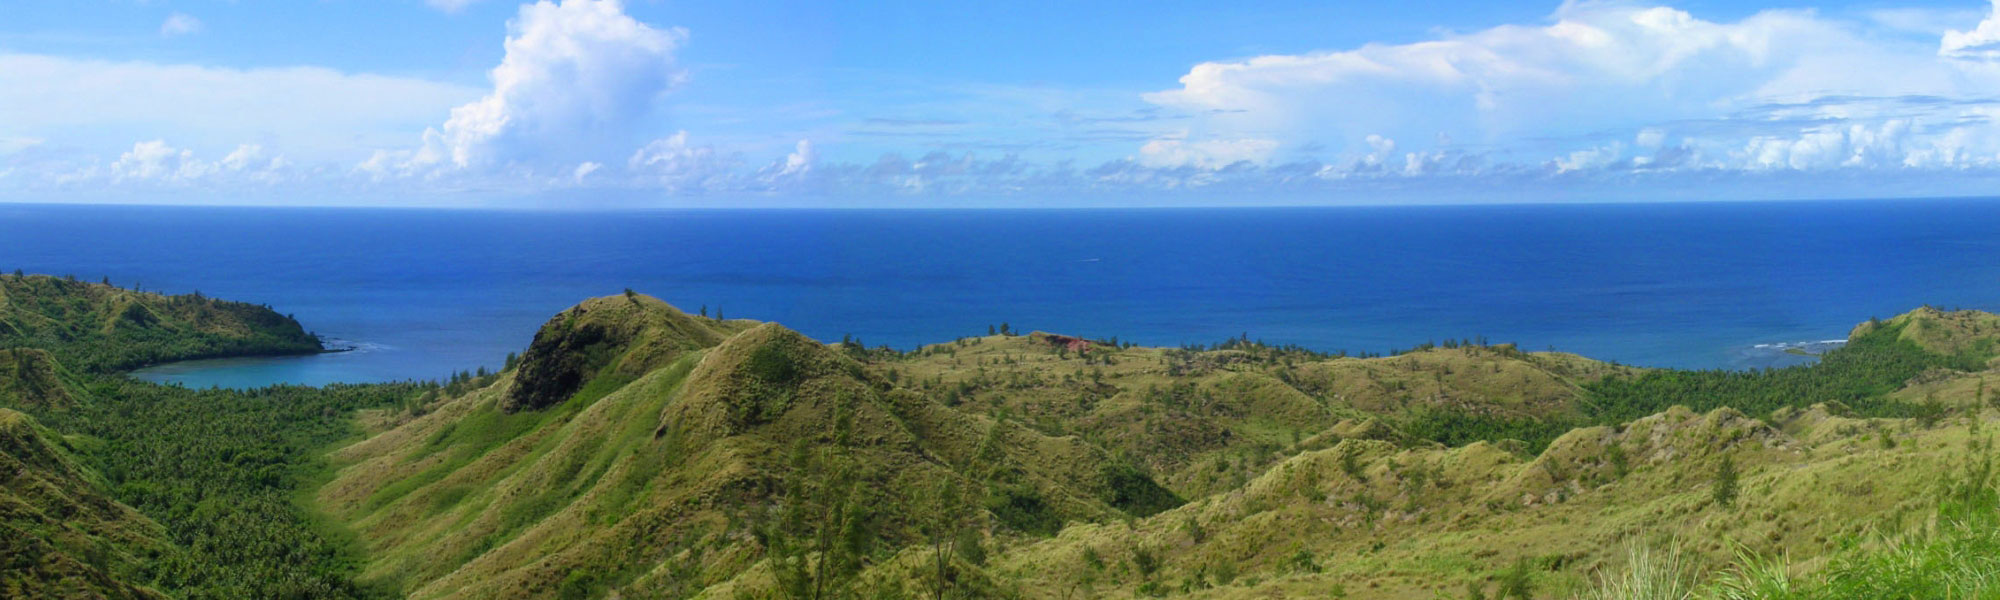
(60, 537)
(112, 487)
(99, 328)
(636, 451)
(29, 377)
(648, 479)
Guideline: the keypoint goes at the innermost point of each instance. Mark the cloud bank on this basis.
(1609, 98)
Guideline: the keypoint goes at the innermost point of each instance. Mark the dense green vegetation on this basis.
(96, 327)
(1859, 375)
(220, 469)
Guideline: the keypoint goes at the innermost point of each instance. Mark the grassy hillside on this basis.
(656, 483)
(636, 451)
(99, 328)
(60, 537)
(679, 456)
(30, 378)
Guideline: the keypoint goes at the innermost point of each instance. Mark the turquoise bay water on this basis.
(422, 293)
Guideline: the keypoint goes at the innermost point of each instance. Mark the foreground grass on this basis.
(1956, 554)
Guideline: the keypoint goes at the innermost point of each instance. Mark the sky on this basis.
(606, 104)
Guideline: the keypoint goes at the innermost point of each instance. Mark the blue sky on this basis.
(604, 104)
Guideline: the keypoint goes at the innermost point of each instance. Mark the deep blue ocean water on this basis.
(423, 293)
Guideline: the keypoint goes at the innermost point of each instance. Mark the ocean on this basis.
(423, 293)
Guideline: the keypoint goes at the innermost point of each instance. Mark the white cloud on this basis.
(794, 169)
(1596, 67)
(243, 157)
(674, 164)
(577, 78)
(1607, 93)
(310, 111)
(1591, 158)
(450, 6)
(1980, 43)
(155, 160)
(1207, 153)
(180, 24)
(1650, 137)
(10, 145)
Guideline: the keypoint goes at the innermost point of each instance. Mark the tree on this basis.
(820, 533)
(704, 310)
(1724, 489)
(946, 519)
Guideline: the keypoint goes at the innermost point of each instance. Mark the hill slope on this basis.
(638, 451)
(99, 328)
(59, 536)
(681, 435)
(116, 487)
(30, 378)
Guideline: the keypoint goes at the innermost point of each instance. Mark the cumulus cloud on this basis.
(795, 168)
(156, 160)
(1980, 43)
(577, 78)
(180, 24)
(675, 164)
(244, 157)
(159, 163)
(1595, 73)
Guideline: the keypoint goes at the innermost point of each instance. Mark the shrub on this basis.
(1724, 489)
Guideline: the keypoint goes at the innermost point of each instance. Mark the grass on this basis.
(1242, 471)
(1954, 554)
